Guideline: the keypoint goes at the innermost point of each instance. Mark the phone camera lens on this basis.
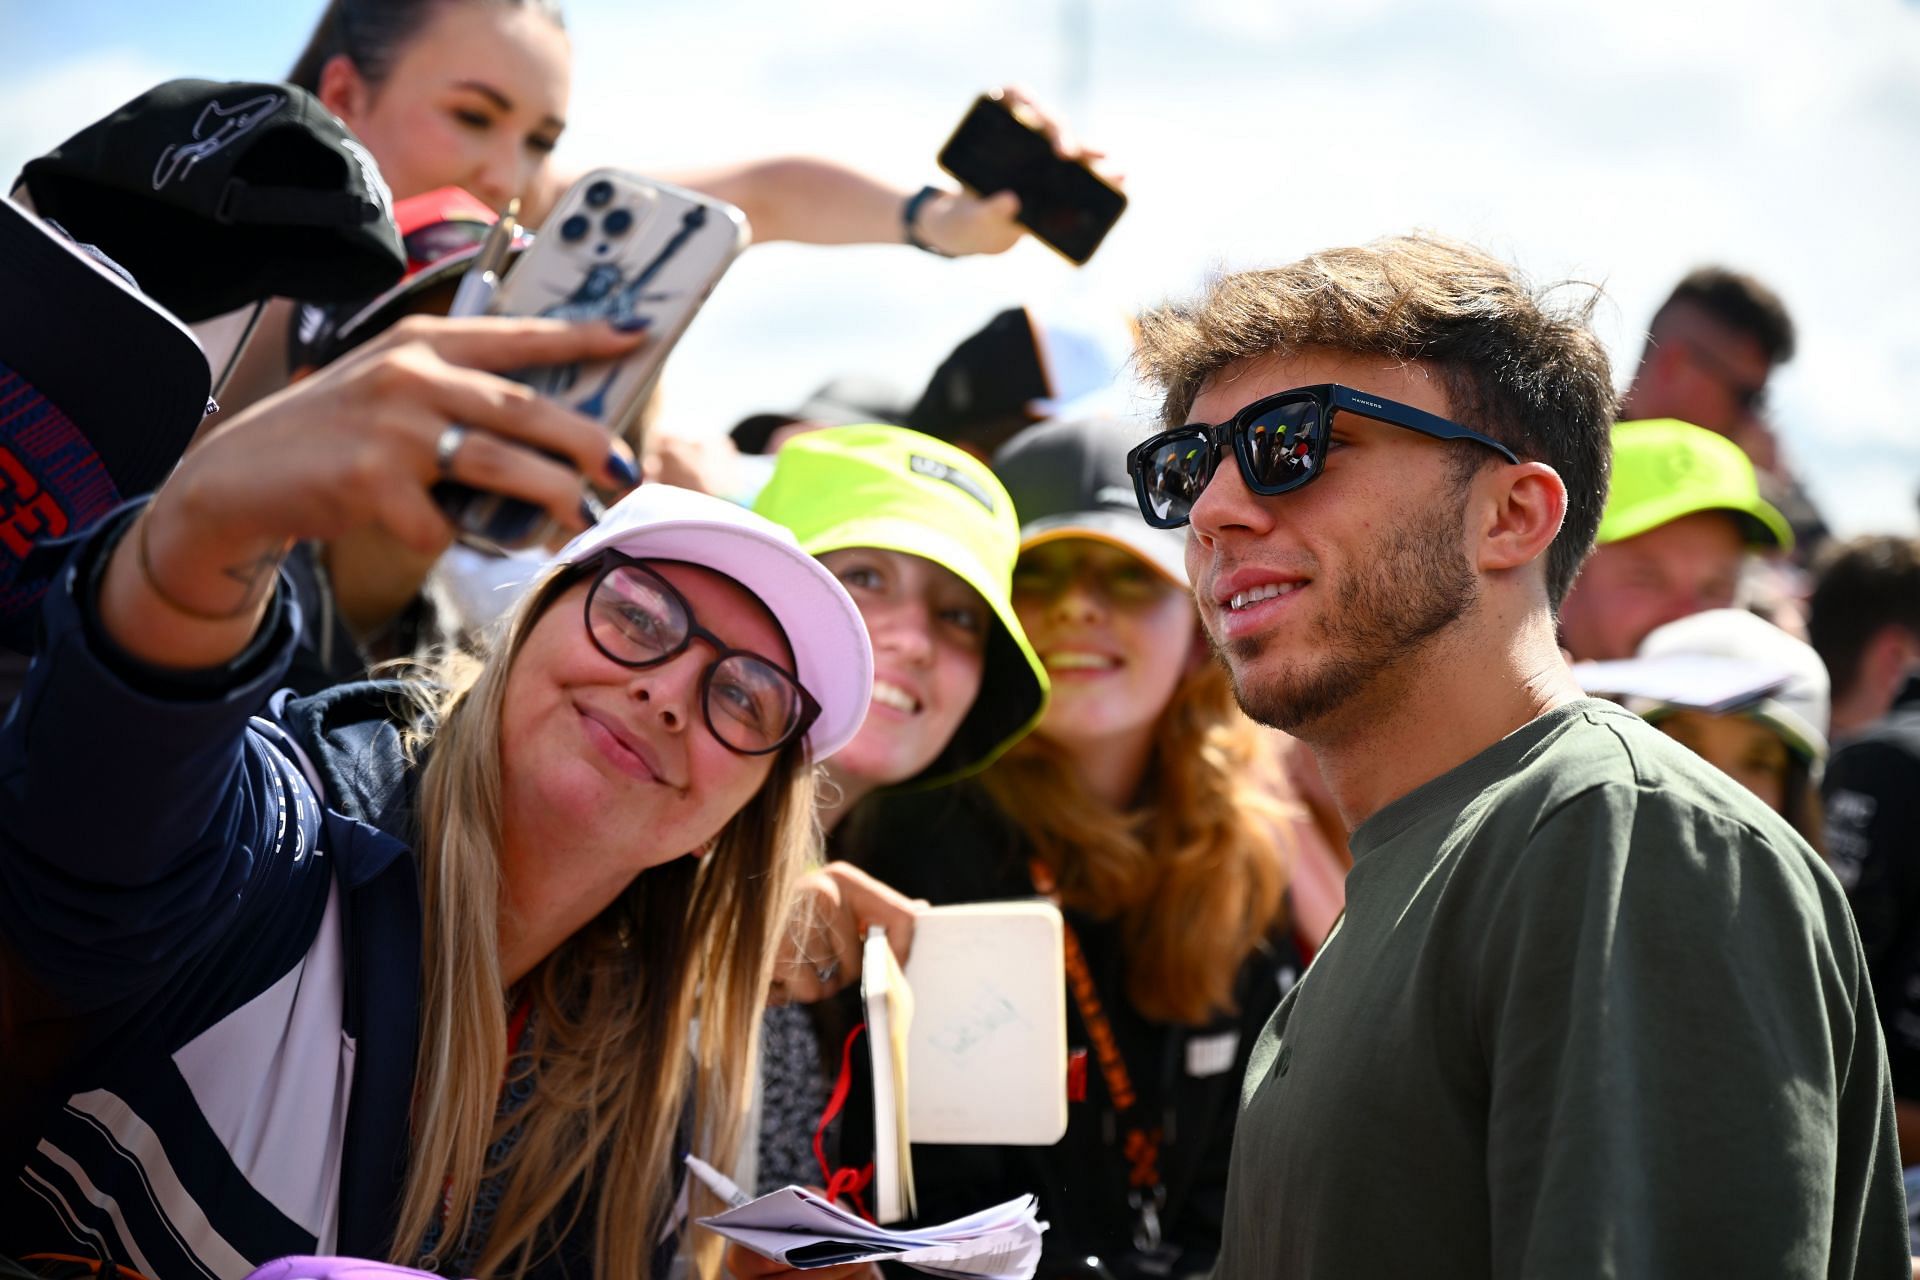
(599, 195)
(618, 223)
(575, 229)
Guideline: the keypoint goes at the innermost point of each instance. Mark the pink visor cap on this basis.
(832, 655)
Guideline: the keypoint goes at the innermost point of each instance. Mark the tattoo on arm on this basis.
(248, 574)
(253, 574)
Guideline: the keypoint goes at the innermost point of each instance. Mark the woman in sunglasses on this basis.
(1144, 804)
(923, 538)
(403, 970)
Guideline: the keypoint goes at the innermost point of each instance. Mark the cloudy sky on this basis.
(1619, 142)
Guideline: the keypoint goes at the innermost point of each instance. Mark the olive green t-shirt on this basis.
(1593, 1011)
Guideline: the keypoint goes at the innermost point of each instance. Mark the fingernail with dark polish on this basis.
(622, 470)
(632, 324)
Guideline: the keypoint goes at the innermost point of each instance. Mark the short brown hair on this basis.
(1531, 375)
(1860, 587)
(1736, 301)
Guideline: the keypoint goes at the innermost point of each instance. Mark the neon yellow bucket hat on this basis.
(1664, 468)
(899, 490)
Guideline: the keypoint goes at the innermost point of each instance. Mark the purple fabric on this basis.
(336, 1269)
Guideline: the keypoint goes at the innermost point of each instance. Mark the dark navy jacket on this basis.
(208, 980)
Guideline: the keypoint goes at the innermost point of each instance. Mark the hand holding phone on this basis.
(354, 448)
(642, 256)
(1003, 144)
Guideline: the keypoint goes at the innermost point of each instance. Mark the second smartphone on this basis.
(1063, 202)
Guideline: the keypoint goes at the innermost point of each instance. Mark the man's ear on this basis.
(1523, 506)
(343, 90)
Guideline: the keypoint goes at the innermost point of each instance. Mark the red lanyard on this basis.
(847, 1180)
(1142, 1146)
(517, 1027)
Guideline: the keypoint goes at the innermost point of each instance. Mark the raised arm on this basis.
(812, 200)
(358, 445)
(136, 812)
(818, 201)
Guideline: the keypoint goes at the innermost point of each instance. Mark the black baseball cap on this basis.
(216, 195)
(1018, 369)
(986, 387)
(843, 402)
(1069, 480)
(100, 391)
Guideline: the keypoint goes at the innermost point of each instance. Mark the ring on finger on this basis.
(447, 446)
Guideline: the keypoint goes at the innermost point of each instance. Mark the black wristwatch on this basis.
(910, 218)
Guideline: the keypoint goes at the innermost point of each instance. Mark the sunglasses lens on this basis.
(1044, 574)
(752, 705)
(1173, 472)
(1283, 446)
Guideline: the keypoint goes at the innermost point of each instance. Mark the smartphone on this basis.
(617, 246)
(998, 147)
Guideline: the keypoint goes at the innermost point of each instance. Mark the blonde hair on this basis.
(1197, 878)
(688, 942)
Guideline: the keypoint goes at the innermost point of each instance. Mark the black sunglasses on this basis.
(1751, 397)
(637, 618)
(1280, 441)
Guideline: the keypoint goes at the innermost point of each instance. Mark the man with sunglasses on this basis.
(1710, 349)
(1592, 1010)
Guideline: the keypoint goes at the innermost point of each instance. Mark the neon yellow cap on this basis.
(1664, 468)
(899, 490)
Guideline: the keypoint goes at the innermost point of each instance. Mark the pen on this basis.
(718, 1183)
(477, 286)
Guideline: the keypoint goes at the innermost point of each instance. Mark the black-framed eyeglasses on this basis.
(634, 616)
(1280, 441)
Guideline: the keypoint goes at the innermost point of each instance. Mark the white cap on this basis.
(1729, 662)
(833, 658)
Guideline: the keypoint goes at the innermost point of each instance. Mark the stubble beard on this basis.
(1406, 590)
